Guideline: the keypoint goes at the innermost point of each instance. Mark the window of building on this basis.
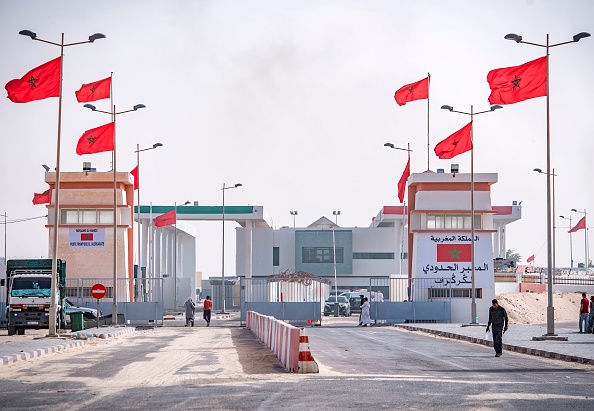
(86, 216)
(322, 255)
(404, 256)
(373, 256)
(455, 292)
(275, 256)
(453, 222)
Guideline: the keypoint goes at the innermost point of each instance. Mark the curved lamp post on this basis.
(138, 151)
(114, 115)
(570, 242)
(33, 36)
(223, 259)
(473, 319)
(550, 309)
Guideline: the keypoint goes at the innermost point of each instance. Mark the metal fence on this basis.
(542, 278)
(139, 299)
(297, 300)
(411, 300)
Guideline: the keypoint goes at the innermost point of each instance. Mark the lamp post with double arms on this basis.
(223, 253)
(538, 170)
(570, 243)
(550, 309)
(33, 36)
(114, 115)
(138, 151)
(586, 252)
(473, 319)
(293, 213)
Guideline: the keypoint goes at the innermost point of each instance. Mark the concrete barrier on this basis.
(289, 343)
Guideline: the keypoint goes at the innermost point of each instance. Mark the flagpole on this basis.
(428, 143)
(474, 319)
(53, 320)
(175, 260)
(114, 315)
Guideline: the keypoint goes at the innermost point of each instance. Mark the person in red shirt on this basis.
(207, 310)
(584, 311)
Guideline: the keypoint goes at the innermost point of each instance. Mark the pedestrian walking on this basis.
(584, 311)
(365, 316)
(207, 310)
(361, 301)
(190, 309)
(497, 318)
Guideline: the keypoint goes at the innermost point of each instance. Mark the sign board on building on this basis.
(87, 237)
(447, 257)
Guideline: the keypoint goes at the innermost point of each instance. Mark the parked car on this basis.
(355, 303)
(344, 307)
(88, 313)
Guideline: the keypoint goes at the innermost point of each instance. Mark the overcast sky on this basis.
(294, 99)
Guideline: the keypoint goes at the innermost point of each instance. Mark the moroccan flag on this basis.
(581, 224)
(530, 259)
(43, 198)
(413, 91)
(458, 143)
(514, 84)
(402, 181)
(94, 91)
(134, 172)
(168, 218)
(40, 83)
(454, 252)
(96, 140)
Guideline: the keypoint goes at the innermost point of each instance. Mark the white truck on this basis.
(28, 294)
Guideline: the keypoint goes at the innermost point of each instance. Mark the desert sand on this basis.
(531, 308)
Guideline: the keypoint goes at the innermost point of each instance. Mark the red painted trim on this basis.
(451, 211)
(503, 210)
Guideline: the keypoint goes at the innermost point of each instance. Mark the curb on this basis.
(508, 347)
(26, 355)
(98, 334)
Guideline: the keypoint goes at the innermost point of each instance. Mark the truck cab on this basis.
(29, 294)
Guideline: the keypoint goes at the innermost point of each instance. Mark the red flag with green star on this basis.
(166, 219)
(454, 253)
(96, 140)
(38, 84)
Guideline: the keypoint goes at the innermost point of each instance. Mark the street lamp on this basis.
(408, 150)
(33, 36)
(586, 255)
(538, 170)
(336, 214)
(473, 319)
(570, 241)
(293, 213)
(223, 260)
(114, 115)
(138, 151)
(550, 309)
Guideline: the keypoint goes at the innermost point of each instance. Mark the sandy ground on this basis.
(531, 308)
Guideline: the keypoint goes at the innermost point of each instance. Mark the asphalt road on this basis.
(224, 367)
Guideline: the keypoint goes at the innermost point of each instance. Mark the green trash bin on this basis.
(76, 321)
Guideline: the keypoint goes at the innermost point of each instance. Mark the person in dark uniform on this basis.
(497, 317)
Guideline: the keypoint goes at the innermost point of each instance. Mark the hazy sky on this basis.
(294, 99)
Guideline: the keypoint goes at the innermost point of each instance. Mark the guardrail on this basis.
(289, 343)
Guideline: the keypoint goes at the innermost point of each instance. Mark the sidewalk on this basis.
(518, 338)
(32, 345)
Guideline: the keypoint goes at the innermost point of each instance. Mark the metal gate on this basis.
(411, 300)
(139, 299)
(296, 298)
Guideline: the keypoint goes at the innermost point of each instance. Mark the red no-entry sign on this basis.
(98, 291)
